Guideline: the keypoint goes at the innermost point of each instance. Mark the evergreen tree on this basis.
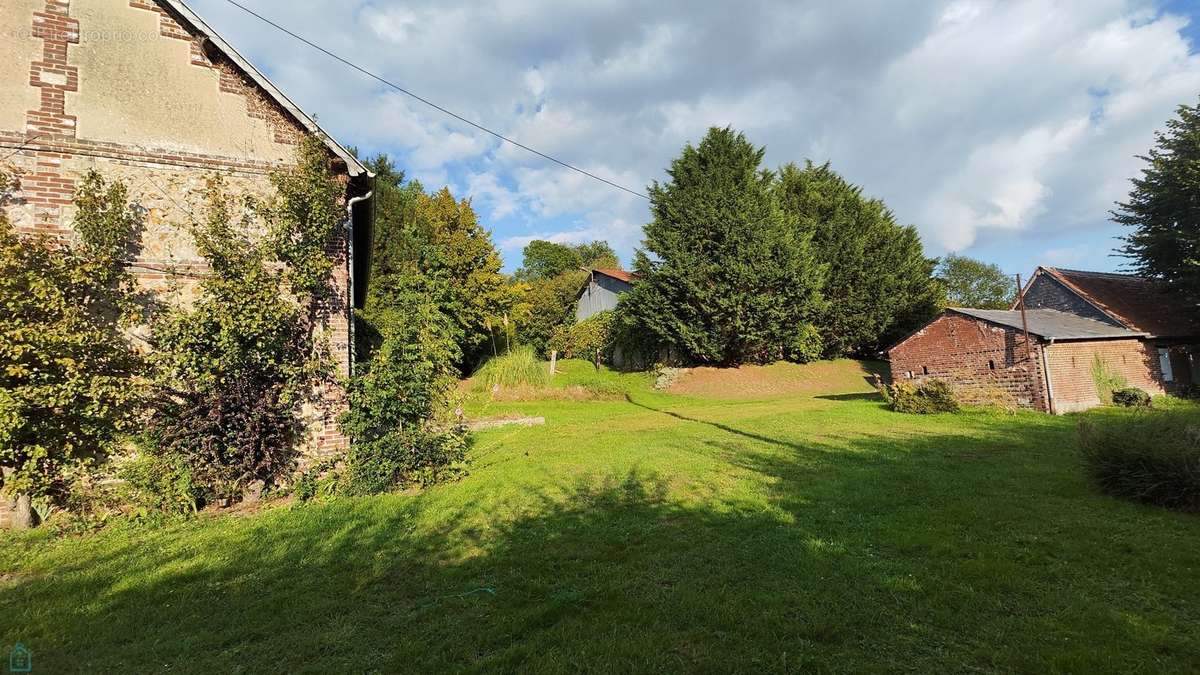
(879, 283)
(974, 283)
(1164, 208)
(726, 276)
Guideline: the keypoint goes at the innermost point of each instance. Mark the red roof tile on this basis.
(1142, 304)
(621, 275)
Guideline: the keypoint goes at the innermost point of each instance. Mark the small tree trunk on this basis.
(22, 517)
(553, 360)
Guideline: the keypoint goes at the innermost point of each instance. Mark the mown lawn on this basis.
(657, 533)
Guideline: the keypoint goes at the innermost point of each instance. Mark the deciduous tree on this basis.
(973, 283)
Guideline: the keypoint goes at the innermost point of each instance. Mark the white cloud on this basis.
(974, 119)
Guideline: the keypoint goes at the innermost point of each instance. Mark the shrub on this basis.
(589, 339)
(1131, 397)
(518, 367)
(68, 386)
(401, 402)
(1151, 457)
(159, 484)
(806, 345)
(420, 454)
(930, 396)
(232, 370)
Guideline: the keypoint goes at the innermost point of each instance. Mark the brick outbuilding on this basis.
(1140, 304)
(986, 357)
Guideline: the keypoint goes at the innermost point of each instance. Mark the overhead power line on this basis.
(431, 104)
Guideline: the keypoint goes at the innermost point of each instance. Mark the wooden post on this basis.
(1024, 322)
(553, 361)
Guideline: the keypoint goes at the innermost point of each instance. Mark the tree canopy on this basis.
(438, 238)
(878, 284)
(726, 275)
(1163, 208)
(542, 259)
(973, 283)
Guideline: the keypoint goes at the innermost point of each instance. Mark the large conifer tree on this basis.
(1164, 207)
(879, 283)
(726, 276)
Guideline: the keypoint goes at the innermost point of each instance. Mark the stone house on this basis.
(1076, 323)
(145, 92)
(603, 289)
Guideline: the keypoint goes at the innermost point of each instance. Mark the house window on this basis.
(991, 364)
(1164, 363)
(925, 370)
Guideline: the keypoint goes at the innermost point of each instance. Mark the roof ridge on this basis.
(1090, 273)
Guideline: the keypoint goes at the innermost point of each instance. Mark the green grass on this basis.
(658, 533)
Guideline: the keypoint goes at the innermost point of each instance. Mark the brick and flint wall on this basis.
(124, 88)
(986, 364)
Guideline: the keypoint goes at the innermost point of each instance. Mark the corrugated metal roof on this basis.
(1051, 324)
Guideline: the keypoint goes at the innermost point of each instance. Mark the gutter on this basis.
(350, 272)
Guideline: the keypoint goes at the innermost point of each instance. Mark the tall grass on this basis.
(1145, 456)
(519, 367)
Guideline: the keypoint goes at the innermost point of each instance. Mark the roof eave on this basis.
(1092, 338)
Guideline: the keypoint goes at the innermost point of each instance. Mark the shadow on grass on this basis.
(862, 396)
(715, 425)
(873, 553)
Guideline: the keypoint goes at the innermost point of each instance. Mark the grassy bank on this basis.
(652, 531)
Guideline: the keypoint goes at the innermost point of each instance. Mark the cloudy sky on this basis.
(1004, 130)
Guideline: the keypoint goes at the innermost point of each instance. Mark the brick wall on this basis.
(1046, 292)
(167, 166)
(984, 363)
(1070, 365)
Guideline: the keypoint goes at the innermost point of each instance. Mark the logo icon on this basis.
(20, 659)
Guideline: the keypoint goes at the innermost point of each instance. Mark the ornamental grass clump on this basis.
(519, 367)
(1145, 456)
